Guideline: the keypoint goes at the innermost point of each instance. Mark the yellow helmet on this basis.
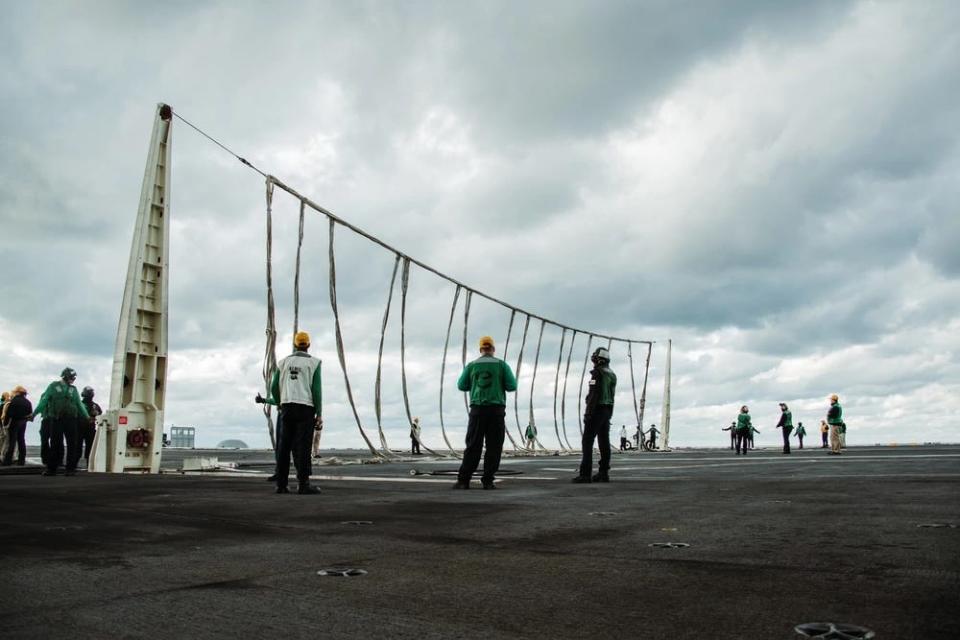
(302, 339)
(834, 397)
(486, 341)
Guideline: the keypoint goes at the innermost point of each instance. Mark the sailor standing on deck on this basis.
(60, 406)
(596, 418)
(487, 379)
(801, 432)
(733, 433)
(744, 427)
(835, 420)
(415, 437)
(531, 436)
(296, 388)
(824, 432)
(623, 437)
(786, 425)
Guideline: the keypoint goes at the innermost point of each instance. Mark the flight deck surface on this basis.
(774, 541)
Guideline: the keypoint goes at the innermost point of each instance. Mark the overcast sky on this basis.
(774, 186)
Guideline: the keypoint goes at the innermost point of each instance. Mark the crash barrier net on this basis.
(402, 265)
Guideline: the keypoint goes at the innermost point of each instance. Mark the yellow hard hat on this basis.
(834, 397)
(302, 339)
(19, 390)
(486, 341)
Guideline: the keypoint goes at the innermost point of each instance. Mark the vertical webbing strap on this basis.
(516, 396)
(340, 353)
(506, 346)
(270, 349)
(646, 374)
(463, 358)
(556, 388)
(633, 384)
(296, 275)
(533, 383)
(404, 287)
(563, 395)
(377, 398)
(583, 375)
(443, 366)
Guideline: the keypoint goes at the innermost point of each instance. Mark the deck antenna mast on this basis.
(129, 435)
(665, 415)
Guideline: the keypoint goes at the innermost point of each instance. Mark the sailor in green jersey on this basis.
(596, 418)
(487, 379)
(801, 432)
(744, 427)
(61, 407)
(296, 387)
(835, 420)
(531, 436)
(786, 424)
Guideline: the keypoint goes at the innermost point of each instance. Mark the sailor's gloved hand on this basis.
(259, 399)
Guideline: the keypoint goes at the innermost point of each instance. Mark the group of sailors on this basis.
(296, 388)
(648, 438)
(742, 429)
(67, 425)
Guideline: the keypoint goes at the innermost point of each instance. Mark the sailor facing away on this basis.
(296, 387)
(487, 379)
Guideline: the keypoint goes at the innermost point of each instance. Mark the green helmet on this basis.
(68, 374)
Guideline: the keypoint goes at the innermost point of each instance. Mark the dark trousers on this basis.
(414, 446)
(596, 426)
(800, 438)
(743, 441)
(45, 440)
(296, 437)
(485, 426)
(750, 440)
(278, 437)
(786, 439)
(63, 430)
(733, 439)
(824, 435)
(16, 437)
(86, 432)
(623, 444)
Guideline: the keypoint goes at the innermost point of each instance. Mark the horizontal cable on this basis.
(335, 218)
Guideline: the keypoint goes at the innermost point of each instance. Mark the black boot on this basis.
(600, 477)
(307, 490)
(581, 480)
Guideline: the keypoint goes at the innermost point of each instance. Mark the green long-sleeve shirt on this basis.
(487, 379)
(316, 391)
(743, 423)
(61, 400)
(835, 414)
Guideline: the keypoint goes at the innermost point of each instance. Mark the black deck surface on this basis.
(774, 541)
